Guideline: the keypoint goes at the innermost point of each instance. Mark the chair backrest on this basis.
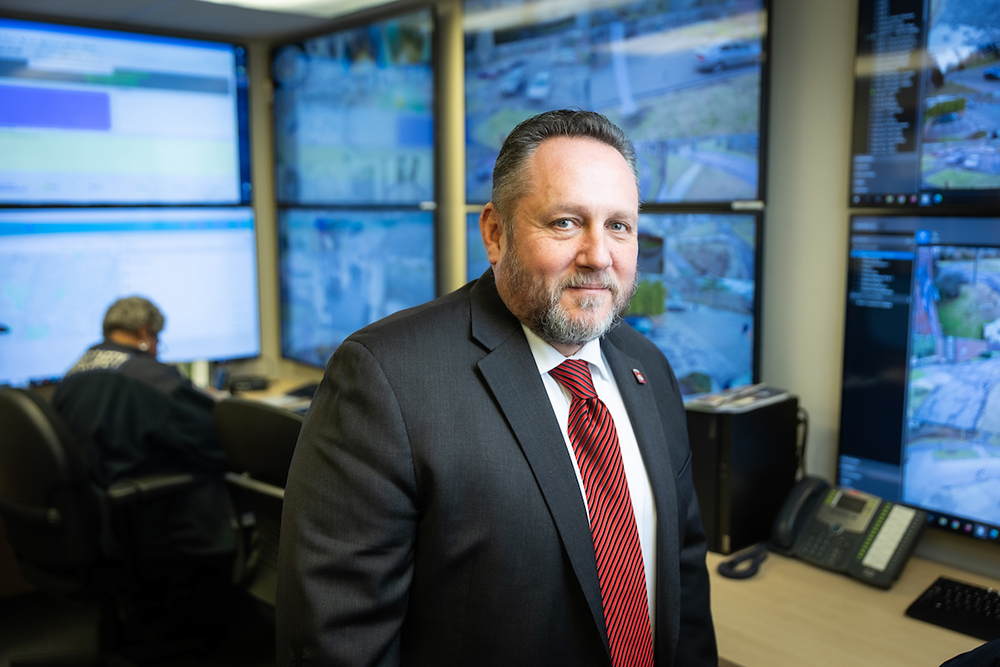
(257, 438)
(51, 510)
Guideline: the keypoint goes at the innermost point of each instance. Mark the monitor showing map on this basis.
(341, 270)
(353, 115)
(60, 269)
(92, 116)
(920, 410)
(927, 105)
(684, 80)
(696, 296)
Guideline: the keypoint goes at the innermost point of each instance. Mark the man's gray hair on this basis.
(131, 314)
(509, 178)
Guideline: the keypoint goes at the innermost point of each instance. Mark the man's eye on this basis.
(563, 224)
(618, 227)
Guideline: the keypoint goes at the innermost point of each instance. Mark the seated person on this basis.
(135, 416)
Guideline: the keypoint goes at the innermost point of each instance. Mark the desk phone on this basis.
(846, 530)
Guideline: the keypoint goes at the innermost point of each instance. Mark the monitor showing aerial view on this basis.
(353, 115)
(921, 391)
(683, 79)
(342, 270)
(696, 296)
(927, 104)
(952, 434)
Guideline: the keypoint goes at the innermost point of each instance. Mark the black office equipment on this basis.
(917, 422)
(846, 530)
(925, 82)
(744, 462)
(522, 56)
(239, 383)
(258, 440)
(71, 538)
(956, 605)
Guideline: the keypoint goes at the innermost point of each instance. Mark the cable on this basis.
(800, 450)
(731, 570)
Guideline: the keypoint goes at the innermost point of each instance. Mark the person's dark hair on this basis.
(131, 314)
(509, 179)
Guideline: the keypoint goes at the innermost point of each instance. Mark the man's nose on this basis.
(595, 251)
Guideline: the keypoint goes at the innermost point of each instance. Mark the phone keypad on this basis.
(824, 546)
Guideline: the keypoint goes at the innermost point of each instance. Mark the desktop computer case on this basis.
(744, 465)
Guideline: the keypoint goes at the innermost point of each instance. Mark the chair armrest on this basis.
(144, 489)
(244, 481)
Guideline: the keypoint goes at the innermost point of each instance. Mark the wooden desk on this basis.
(794, 614)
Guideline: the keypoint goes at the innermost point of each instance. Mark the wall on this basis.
(805, 243)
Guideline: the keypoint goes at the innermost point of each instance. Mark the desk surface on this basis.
(794, 614)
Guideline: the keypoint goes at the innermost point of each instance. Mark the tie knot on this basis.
(574, 374)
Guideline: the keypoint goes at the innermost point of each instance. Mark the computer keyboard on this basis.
(967, 608)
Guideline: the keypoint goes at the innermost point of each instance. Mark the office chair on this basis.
(258, 440)
(70, 537)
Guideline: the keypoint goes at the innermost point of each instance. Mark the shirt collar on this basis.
(548, 357)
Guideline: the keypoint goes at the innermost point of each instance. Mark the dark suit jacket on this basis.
(433, 517)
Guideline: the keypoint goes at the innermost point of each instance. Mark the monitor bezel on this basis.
(934, 516)
(242, 112)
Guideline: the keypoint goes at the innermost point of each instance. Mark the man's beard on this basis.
(539, 306)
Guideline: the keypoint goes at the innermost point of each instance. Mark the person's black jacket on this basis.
(135, 416)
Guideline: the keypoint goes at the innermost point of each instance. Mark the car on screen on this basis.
(514, 81)
(539, 87)
(992, 73)
(730, 53)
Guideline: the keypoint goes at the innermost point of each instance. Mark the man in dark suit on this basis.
(457, 499)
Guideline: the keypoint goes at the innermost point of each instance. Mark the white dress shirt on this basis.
(547, 358)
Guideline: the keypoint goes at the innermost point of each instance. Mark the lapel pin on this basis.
(638, 376)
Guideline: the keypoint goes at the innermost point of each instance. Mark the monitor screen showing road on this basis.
(684, 83)
(927, 104)
(921, 380)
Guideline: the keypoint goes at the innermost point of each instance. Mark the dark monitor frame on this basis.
(758, 219)
(758, 215)
(357, 20)
(763, 133)
(243, 118)
(879, 467)
(883, 178)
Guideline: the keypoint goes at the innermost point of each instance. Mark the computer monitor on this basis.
(475, 252)
(343, 269)
(685, 80)
(92, 116)
(697, 294)
(353, 115)
(926, 105)
(920, 422)
(60, 269)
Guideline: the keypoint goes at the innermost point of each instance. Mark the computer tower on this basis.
(743, 459)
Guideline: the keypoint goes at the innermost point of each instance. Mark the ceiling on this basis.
(186, 17)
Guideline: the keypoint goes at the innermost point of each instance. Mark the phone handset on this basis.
(797, 509)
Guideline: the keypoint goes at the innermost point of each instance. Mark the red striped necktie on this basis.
(612, 522)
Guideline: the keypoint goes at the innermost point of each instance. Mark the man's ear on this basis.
(492, 233)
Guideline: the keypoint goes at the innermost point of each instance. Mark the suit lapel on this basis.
(510, 371)
(640, 403)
